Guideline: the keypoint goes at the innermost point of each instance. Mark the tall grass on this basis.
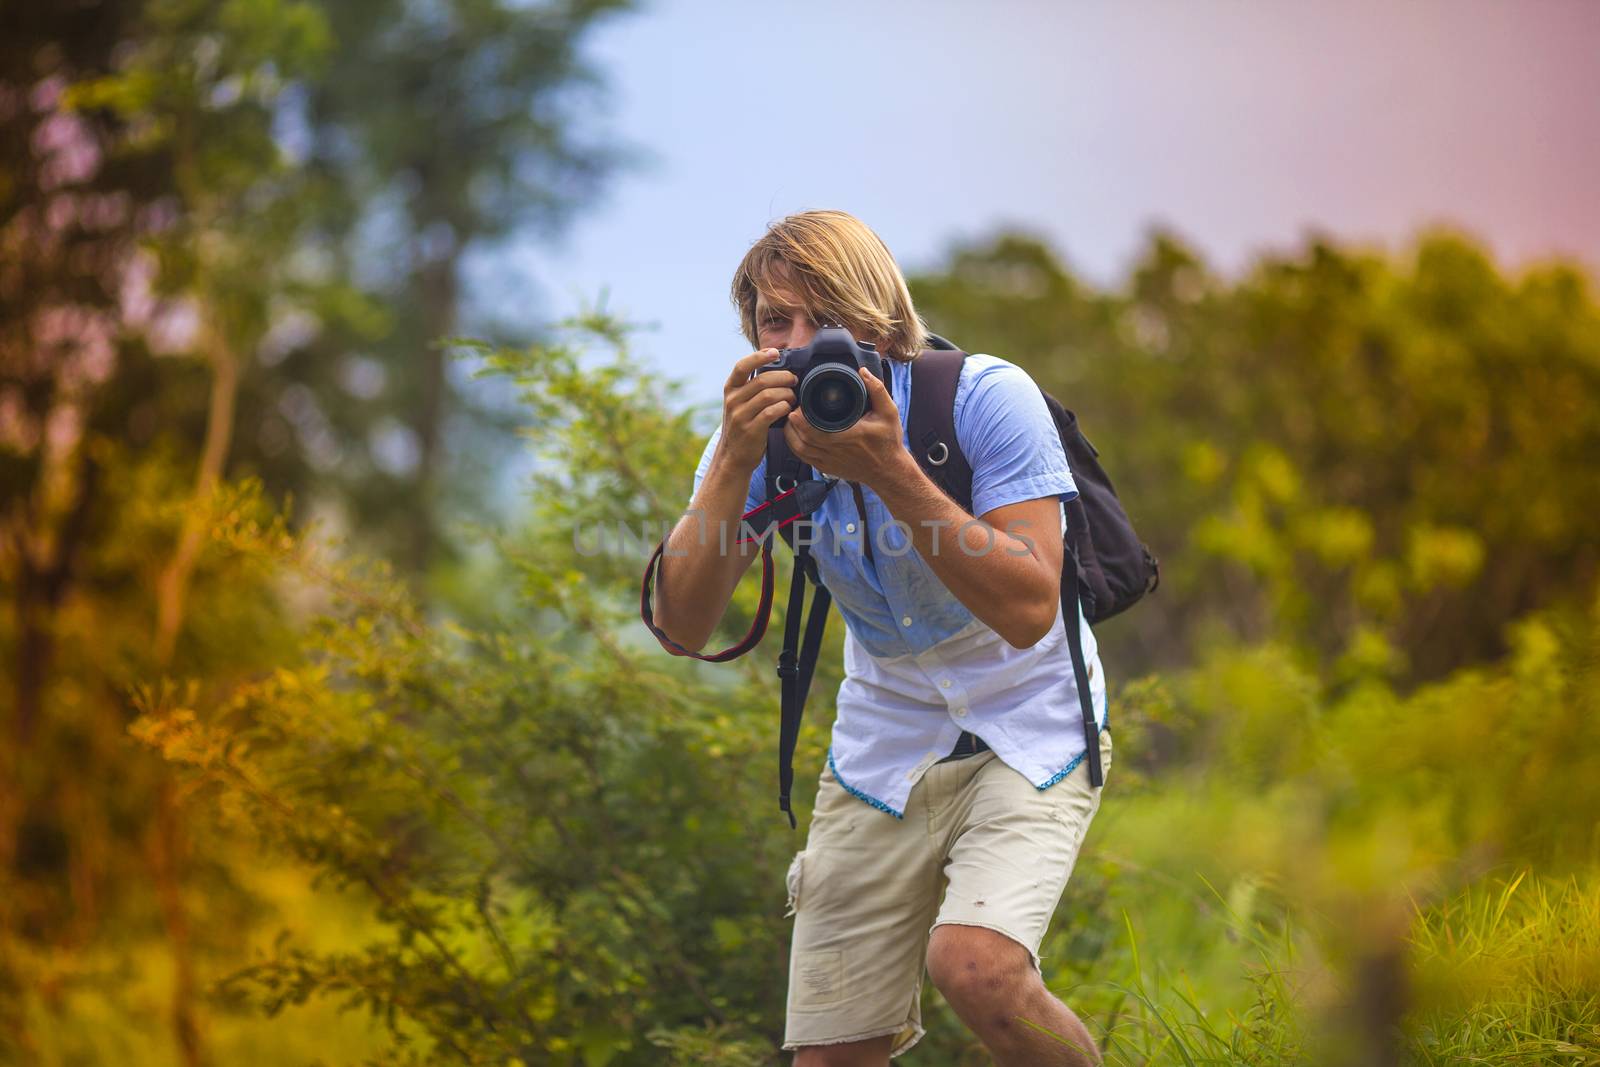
(1506, 972)
(1509, 974)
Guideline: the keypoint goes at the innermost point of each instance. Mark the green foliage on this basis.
(1371, 853)
(188, 205)
(1510, 974)
(442, 132)
(146, 214)
(1380, 460)
(84, 949)
(559, 832)
(558, 826)
(1353, 818)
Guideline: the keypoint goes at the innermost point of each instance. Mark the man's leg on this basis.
(873, 1052)
(1013, 848)
(990, 982)
(864, 892)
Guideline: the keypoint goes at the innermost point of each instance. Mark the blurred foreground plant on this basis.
(1399, 878)
(559, 824)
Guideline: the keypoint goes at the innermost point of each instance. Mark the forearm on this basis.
(994, 573)
(702, 563)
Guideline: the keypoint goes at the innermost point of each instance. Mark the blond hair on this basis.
(842, 272)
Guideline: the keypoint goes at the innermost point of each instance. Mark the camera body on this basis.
(830, 391)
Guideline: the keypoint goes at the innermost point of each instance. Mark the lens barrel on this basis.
(833, 397)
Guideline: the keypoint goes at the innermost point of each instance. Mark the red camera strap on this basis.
(763, 521)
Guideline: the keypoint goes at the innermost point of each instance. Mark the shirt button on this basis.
(905, 620)
(961, 713)
(944, 683)
(849, 527)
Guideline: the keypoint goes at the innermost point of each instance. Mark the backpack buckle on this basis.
(943, 451)
(787, 667)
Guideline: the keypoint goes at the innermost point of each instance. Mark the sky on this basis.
(1241, 126)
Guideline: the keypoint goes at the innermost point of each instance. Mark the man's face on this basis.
(783, 323)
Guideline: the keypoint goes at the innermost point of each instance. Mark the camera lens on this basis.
(833, 397)
(831, 400)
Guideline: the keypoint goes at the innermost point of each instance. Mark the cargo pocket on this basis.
(795, 868)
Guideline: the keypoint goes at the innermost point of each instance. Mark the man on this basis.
(957, 749)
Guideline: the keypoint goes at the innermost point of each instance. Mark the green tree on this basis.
(442, 131)
(144, 218)
(1383, 459)
(568, 834)
(1364, 475)
(173, 259)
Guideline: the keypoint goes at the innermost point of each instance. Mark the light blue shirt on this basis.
(919, 666)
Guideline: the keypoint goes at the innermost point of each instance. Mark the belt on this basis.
(969, 744)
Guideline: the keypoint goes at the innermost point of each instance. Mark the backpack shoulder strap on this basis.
(931, 423)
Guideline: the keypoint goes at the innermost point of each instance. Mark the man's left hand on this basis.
(864, 452)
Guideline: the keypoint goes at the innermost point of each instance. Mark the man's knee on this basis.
(873, 1052)
(975, 968)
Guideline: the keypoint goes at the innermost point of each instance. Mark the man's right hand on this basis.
(693, 591)
(750, 406)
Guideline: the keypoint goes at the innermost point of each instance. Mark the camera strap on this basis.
(796, 665)
(795, 674)
(761, 523)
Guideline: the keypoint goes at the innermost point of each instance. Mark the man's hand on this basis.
(865, 452)
(750, 405)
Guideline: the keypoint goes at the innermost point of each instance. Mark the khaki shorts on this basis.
(865, 891)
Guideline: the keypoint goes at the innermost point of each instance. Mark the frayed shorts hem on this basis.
(963, 921)
(917, 1030)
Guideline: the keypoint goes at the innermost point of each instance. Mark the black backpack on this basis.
(1105, 565)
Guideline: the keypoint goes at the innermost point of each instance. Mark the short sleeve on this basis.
(1006, 432)
(753, 496)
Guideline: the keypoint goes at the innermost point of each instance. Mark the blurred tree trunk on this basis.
(438, 294)
(167, 848)
(462, 115)
(167, 852)
(173, 583)
(45, 559)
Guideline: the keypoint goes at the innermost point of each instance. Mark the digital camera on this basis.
(830, 391)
